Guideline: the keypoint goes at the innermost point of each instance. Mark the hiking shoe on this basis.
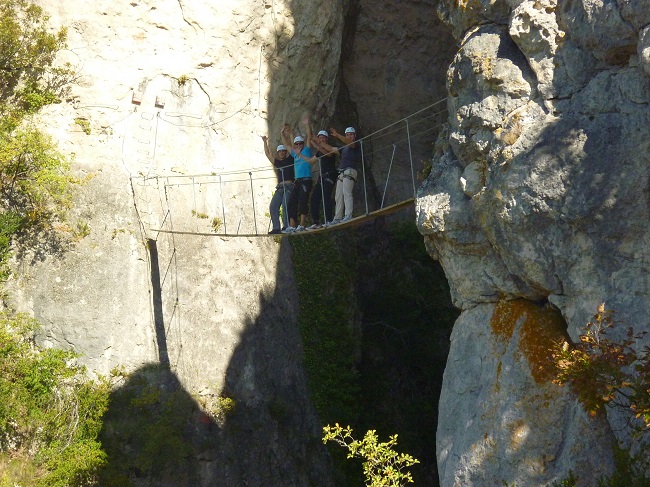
(336, 221)
(315, 226)
(275, 231)
(300, 228)
(346, 219)
(289, 229)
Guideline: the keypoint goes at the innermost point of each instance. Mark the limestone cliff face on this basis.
(538, 191)
(173, 92)
(172, 88)
(169, 89)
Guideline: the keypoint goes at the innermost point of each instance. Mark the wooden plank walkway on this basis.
(388, 210)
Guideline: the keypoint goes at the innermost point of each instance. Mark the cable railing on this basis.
(236, 202)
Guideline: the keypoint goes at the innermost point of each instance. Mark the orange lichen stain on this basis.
(505, 317)
(497, 384)
(541, 329)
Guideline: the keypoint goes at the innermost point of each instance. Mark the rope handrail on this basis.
(229, 201)
(265, 168)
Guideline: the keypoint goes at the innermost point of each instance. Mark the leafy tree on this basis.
(382, 465)
(605, 373)
(34, 180)
(28, 77)
(35, 184)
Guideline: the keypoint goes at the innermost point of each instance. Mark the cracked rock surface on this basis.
(538, 194)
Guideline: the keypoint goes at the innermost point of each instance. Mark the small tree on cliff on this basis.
(28, 77)
(382, 465)
(605, 373)
(35, 185)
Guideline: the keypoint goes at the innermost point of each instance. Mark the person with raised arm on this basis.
(283, 165)
(303, 160)
(350, 159)
(321, 195)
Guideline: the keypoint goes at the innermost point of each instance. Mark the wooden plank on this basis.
(389, 210)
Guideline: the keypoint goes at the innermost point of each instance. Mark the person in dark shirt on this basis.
(322, 192)
(350, 160)
(283, 165)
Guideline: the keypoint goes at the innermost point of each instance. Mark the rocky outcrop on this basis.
(536, 205)
(510, 424)
(538, 191)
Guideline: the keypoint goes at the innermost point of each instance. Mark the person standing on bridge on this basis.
(322, 193)
(283, 165)
(350, 159)
(303, 160)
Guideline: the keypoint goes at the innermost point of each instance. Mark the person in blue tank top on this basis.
(303, 159)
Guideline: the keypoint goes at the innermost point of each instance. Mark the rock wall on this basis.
(167, 90)
(171, 89)
(394, 59)
(169, 96)
(538, 191)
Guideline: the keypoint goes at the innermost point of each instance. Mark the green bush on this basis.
(50, 413)
(154, 429)
(36, 185)
(630, 470)
(382, 465)
(28, 48)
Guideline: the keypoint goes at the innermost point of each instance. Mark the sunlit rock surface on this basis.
(551, 103)
(539, 190)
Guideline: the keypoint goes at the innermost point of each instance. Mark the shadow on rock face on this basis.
(259, 430)
(154, 431)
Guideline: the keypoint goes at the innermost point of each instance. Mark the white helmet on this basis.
(350, 130)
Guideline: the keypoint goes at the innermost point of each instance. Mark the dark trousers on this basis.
(280, 199)
(322, 193)
(299, 197)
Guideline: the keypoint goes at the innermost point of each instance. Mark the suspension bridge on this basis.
(235, 203)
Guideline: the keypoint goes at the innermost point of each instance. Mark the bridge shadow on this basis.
(259, 430)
